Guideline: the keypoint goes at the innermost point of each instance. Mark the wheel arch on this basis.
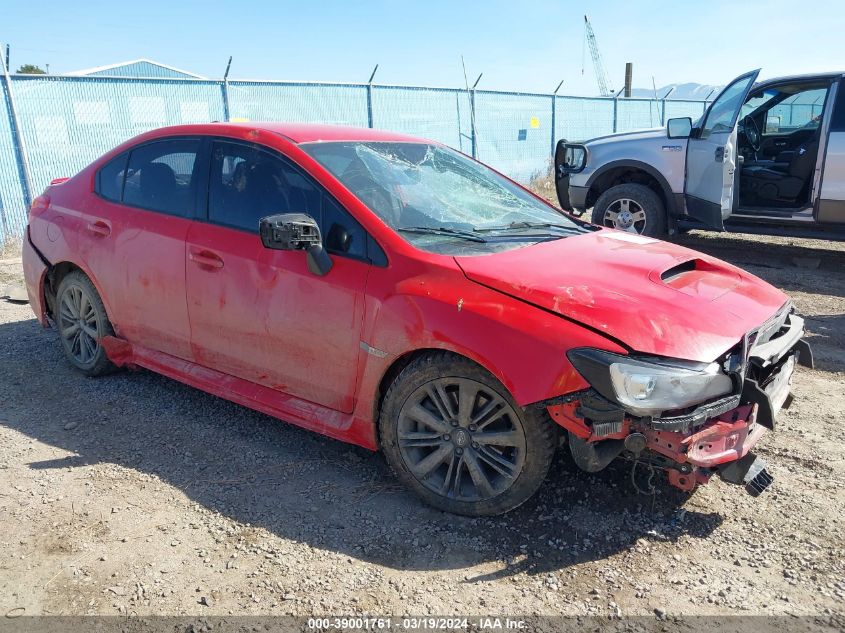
(630, 171)
(398, 364)
(61, 270)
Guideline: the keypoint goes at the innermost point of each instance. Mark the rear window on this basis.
(160, 177)
(110, 178)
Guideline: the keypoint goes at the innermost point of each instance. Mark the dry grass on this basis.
(543, 184)
(10, 249)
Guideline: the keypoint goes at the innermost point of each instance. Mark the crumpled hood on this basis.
(655, 297)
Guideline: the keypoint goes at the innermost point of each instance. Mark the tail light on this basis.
(39, 204)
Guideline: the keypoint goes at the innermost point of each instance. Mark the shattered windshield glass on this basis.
(436, 197)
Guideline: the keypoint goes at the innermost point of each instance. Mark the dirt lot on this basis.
(135, 494)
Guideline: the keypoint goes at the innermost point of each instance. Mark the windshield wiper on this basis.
(528, 225)
(442, 230)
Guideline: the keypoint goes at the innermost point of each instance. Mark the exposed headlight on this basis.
(650, 386)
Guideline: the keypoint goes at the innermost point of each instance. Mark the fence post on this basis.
(20, 147)
(615, 100)
(225, 87)
(472, 117)
(370, 98)
(472, 123)
(554, 118)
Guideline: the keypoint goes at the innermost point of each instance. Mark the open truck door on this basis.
(712, 156)
(569, 159)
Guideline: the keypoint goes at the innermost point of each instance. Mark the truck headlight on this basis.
(650, 386)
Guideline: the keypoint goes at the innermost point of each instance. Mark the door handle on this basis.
(206, 258)
(720, 154)
(99, 228)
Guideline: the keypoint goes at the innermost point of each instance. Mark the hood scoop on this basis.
(671, 274)
(699, 278)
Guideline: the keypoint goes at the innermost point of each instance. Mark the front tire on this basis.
(453, 434)
(82, 323)
(633, 208)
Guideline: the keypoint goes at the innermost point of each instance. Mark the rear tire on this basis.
(82, 323)
(454, 435)
(631, 207)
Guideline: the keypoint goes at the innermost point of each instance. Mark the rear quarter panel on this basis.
(55, 230)
(35, 275)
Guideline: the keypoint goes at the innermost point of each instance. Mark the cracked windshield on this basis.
(440, 200)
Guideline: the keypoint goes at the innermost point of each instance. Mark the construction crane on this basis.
(601, 74)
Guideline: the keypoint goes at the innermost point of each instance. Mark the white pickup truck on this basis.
(766, 157)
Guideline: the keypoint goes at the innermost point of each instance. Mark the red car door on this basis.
(259, 314)
(132, 238)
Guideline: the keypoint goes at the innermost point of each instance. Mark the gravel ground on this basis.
(133, 494)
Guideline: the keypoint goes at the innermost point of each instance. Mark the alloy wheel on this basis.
(461, 439)
(78, 325)
(626, 215)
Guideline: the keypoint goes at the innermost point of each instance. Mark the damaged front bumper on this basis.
(715, 437)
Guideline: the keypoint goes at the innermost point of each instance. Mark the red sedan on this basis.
(393, 293)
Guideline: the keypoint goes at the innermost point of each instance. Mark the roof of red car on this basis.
(309, 132)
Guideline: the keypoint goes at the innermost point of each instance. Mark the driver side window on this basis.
(248, 183)
(724, 110)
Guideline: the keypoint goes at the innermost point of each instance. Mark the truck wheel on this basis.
(631, 207)
(453, 434)
(82, 322)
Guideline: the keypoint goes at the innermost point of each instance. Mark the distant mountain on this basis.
(693, 91)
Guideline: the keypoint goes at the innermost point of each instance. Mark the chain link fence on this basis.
(52, 126)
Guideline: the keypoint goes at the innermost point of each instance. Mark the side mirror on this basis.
(296, 232)
(679, 128)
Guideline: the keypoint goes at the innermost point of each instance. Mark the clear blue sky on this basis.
(528, 46)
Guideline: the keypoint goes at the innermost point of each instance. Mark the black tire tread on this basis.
(656, 224)
(541, 450)
(103, 365)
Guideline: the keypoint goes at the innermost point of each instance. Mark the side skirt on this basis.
(308, 415)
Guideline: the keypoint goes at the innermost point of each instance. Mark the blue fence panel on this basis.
(579, 119)
(513, 132)
(438, 114)
(68, 122)
(692, 109)
(336, 104)
(12, 202)
(637, 114)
